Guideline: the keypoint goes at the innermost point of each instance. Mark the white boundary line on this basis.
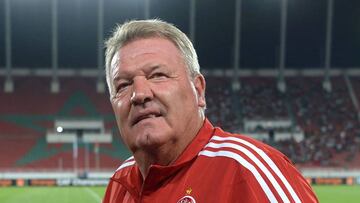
(93, 194)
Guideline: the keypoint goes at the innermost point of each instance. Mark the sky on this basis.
(214, 34)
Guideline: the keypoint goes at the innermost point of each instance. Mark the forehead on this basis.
(155, 46)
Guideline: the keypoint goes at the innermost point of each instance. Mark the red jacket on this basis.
(217, 166)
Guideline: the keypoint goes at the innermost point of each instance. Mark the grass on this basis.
(51, 194)
(338, 194)
(326, 194)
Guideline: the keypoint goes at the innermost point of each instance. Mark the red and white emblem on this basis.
(187, 199)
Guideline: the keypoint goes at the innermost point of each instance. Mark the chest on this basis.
(203, 181)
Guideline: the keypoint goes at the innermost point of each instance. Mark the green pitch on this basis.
(326, 194)
(51, 194)
(338, 194)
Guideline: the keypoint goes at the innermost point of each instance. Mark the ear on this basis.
(200, 85)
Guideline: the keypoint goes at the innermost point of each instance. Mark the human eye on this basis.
(122, 86)
(158, 75)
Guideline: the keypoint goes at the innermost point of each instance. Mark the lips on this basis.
(139, 116)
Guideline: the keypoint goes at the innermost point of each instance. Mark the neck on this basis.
(167, 153)
(146, 158)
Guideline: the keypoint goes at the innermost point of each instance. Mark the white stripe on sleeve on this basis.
(126, 163)
(247, 165)
(257, 162)
(267, 160)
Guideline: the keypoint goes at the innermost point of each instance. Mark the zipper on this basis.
(142, 188)
(141, 192)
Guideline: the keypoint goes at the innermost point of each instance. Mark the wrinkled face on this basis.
(156, 103)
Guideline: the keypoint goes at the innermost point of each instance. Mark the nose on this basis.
(142, 92)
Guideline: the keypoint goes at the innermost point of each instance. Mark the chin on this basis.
(151, 140)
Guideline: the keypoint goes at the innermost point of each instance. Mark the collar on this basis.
(197, 144)
(132, 179)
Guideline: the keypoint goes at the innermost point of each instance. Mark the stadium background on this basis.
(283, 71)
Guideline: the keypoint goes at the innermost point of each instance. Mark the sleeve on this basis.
(114, 192)
(301, 187)
(109, 193)
(275, 179)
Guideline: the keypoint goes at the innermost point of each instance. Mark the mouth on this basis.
(144, 116)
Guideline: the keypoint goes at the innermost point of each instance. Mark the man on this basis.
(158, 96)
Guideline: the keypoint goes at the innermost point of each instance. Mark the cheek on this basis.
(179, 97)
(171, 94)
(121, 109)
(187, 93)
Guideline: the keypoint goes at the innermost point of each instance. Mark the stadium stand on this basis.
(218, 98)
(261, 99)
(328, 120)
(355, 81)
(29, 112)
(14, 148)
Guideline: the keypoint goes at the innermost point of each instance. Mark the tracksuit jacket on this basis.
(216, 166)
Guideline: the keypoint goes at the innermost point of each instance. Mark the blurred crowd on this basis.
(327, 118)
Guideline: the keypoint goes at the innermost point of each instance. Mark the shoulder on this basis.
(128, 162)
(262, 166)
(116, 191)
(235, 145)
(247, 153)
(125, 166)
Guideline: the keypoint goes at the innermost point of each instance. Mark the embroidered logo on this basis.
(188, 191)
(187, 199)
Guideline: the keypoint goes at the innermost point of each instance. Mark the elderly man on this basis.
(158, 96)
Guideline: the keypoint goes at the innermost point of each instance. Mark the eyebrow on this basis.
(119, 77)
(147, 70)
(154, 67)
